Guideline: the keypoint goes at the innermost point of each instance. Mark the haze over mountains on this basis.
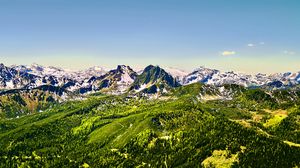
(124, 79)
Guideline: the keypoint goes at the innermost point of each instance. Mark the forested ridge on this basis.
(175, 130)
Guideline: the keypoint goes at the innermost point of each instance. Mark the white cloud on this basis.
(288, 52)
(256, 44)
(228, 53)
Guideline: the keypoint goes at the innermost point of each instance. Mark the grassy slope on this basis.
(110, 131)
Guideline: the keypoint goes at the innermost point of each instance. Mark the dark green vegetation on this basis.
(180, 129)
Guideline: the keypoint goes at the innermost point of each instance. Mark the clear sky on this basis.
(242, 35)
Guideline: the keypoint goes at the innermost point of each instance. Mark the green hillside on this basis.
(19, 102)
(176, 130)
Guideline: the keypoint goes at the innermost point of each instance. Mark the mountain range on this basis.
(153, 79)
(158, 116)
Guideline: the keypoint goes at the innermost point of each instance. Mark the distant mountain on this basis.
(67, 79)
(216, 77)
(153, 79)
(178, 74)
(93, 71)
(11, 78)
(41, 75)
(61, 73)
(202, 75)
(39, 70)
(115, 81)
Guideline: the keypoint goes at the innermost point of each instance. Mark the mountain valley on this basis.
(50, 117)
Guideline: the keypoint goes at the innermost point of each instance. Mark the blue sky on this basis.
(242, 35)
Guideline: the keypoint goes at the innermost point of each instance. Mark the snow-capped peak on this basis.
(176, 73)
(120, 79)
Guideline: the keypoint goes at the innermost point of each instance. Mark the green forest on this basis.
(178, 129)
